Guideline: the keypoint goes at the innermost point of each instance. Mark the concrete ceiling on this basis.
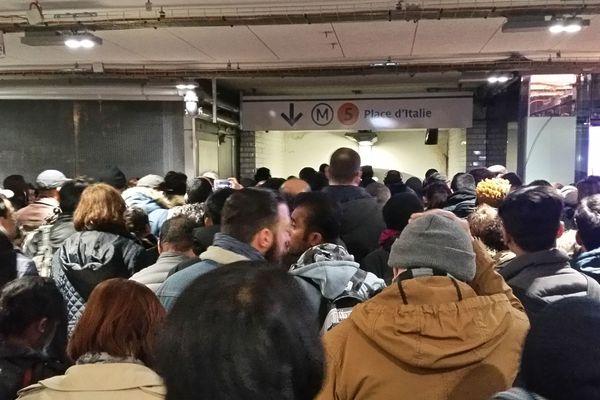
(277, 47)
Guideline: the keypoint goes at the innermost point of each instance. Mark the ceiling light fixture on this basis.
(498, 79)
(570, 25)
(530, 23)
(186, 86)
(81, 41)
(191, 104)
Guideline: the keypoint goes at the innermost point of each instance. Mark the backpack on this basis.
(333, 311)
(39, 241)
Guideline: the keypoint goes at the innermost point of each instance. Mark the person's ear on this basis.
(42, 326)
(561, 230)
(314, 239)
(159, 247)
(398, 272)
(263, 240)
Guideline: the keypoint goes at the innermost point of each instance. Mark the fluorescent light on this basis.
(81, 41)
(557, 28)
(73, 43)
(572, 25)
(573, 28)
(87, 43)
(186, 86)
(494, 79)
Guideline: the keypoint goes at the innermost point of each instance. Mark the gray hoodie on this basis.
(330, 268)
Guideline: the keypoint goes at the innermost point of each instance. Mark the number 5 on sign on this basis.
(348, 114)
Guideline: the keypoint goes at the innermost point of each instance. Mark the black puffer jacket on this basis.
(20, 367)
(88, 258)
(361, 221)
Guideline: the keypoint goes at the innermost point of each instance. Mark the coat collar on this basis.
(538, 258)
(104, 377)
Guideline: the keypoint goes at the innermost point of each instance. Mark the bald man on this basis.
(294, 186)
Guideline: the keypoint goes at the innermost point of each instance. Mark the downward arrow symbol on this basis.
(291, 119)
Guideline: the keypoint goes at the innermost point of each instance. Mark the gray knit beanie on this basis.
(435, 241)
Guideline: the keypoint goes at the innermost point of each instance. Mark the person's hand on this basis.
(235, 184)
(446, 214)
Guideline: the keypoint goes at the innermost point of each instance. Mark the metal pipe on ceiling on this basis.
(122, 21)
(519, 65)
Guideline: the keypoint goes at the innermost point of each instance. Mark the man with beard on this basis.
(255, 226)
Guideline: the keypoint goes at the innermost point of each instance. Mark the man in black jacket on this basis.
(362, 221)
(463, 200)
(540, 274)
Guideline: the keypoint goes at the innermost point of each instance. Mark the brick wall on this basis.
(247, 154)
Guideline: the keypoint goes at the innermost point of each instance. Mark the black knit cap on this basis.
(399, 208)
(113, 176)
(560, 358)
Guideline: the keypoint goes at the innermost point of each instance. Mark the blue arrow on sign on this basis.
(291, 118)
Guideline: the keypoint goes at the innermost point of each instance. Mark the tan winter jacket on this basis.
(99, 382)
(435, 347)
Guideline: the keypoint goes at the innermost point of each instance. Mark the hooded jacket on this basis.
(450, 341)
(462, 203)
(361, 221)
(88, 258)
(99, 382)
(330, 268)
(153, 202)
(588, 263)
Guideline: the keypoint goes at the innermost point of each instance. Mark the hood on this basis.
(85, 256)
(346, 193)
(332, 269)
(588, 262)
(146, 198)
(434, 331)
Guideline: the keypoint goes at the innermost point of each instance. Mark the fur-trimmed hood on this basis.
(146, 198)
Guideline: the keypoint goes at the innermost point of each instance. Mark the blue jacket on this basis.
(153, 202)
(588, 263)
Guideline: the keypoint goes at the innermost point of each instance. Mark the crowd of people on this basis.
(329, 285)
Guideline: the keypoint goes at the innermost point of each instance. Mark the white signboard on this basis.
(451, 110)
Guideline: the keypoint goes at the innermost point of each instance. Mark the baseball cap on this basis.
(50, 179)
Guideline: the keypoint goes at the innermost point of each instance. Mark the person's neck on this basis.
(334, 183)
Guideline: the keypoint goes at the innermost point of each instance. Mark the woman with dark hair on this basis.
(32, 316)
(100, 249)
(251, 337)
(112, 347)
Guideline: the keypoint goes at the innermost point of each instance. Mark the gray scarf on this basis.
(243, 249)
